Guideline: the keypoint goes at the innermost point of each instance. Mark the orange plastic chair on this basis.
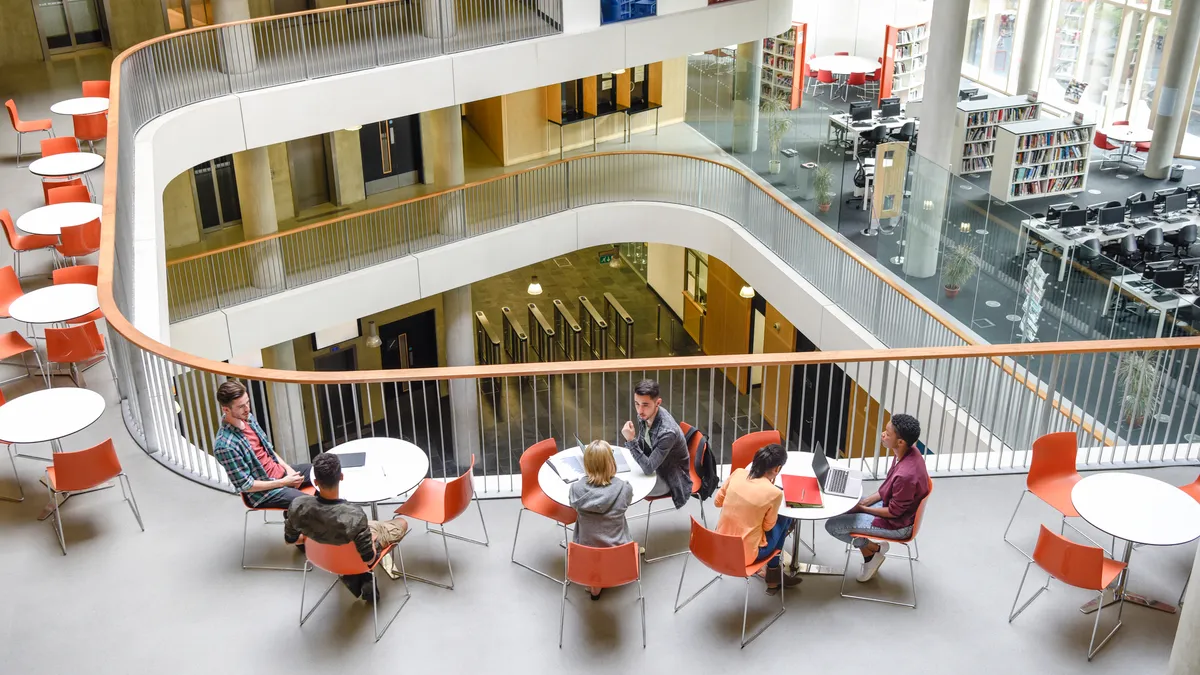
(84, 470)
(1100, 140)
(344, 560)
(14, 344)
(90, 128)
(79, 241)
(95, 88)
(855, 80)
(607, 567)
(67, 193)
(1052, 475)
(693, 449)
(725, 555)
(310, 490)
(1076, 565)
(73, 345)
(10, 289)
(534, 499)
(745, 447)
(440, 502)
(23, 243)
(1193, 490)
(825, 78)
(49, 184)
(23, 127)
(841, 53)
(911, 554)
(12, 458)
(1144, 146)
(77, 274)
(59, 146)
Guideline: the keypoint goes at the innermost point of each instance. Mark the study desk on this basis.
(840, 124)
(1132, 285)
(1070, 238)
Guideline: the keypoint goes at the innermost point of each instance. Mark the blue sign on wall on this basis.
(623, 10)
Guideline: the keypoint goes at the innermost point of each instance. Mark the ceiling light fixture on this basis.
(356, 127)
(373, 340)
(534, 287)
(747, 291)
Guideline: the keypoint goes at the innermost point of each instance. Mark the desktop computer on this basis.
(965, 94)
(1076, 218)
(1055, 210)
(1143, 209)
(1174, 203)
(860, 111)
(889, 107)
(1161, 195)
(1171, 278)
(1112, 215)
(1093, 210)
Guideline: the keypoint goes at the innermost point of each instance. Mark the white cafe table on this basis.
(560, 491)
(1139, 510)
(55, 304)
(66, 164)
(393, 466)
(800, 464)
(52, 219)
(85, 105)
(844, 64)
(1127, 136)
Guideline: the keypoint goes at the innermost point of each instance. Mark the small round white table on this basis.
(87, 105)
(844, 65)
(55, 304)
(1139, 510)
(560, 491)
(66, 164)
(52, 219)
(393, 466)
(1127, 137)
(800, 464)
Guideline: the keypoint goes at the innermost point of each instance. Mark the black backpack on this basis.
(706, 465)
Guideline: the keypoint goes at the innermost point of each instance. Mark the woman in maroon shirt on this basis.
(890, 512)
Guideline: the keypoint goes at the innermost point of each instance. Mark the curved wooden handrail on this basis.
(122, 325)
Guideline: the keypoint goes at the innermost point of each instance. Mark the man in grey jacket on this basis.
(656, 444)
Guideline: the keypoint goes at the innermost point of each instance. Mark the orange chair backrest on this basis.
(722, 553)
(13, 117)
(693, 449)
(841, 53)
(1075, 564)
(921, 511)
(602, 567)
(90, 127)
(96, 88)
(825, 76)
(1121, 123)
(10, 287)
(10, 230)
(73, 344)
(1100, 140)
(74, 240)
(531, 462)
(856, 78)
(745, 447)
(1053, 457)
(69, 193)
(340, 560)
(57, 146)
(459, 492)
(85, 468)
(78, 274)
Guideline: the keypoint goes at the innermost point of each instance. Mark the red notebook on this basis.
(801, 492)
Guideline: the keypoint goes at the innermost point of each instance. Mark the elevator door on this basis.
(69, 24)
(391, 153)
(310, 172)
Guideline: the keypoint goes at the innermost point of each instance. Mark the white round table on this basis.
(844, 65)
(1139, 510)
(55, 304)
(49, 414)
(393, 466)
(52, 219)
(66, 164)
(87, 105)
(800, 464)
(1127, 136)
(560, 491)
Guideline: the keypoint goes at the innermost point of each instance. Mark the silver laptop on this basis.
(834, 480)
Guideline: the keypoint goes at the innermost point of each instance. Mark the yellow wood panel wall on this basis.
(727, 325)
(779, 337)
(486, 117)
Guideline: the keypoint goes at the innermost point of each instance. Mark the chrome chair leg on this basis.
(375, 594)
(746, 609)
(304, 589)
(245, 528)
(513, 557)
(446, 547)
(58, 528)
(912, 580)
(1092, 651)
(1014, 612)
(679, 590)
(21, 489)
(1010, 522)
(130, 499)
(444, 533)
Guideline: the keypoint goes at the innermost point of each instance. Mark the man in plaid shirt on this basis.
(242, 447)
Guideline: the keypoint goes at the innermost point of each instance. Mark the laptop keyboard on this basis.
(836, 481)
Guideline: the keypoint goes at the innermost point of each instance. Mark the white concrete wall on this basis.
(856, 26)
(664, 273)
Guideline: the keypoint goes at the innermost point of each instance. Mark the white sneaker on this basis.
(870, 567)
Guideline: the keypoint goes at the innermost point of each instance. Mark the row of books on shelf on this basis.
(981, 134)
(780, 62)
(784, 81)
(977, 164)
(1031, 173)
(1049, 138)
(977, 149)
(780, 48)
(903, 67)
(1047, 186)
(911, 34)
(1002, 115)
(905, 51)
(1052, 155)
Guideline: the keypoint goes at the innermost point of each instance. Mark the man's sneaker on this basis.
(870, 567)
(369, 592)
(389, 566)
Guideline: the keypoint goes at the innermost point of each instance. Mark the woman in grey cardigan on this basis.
(601, 500)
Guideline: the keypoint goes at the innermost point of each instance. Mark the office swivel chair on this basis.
(1136, 197)
(860, 183)
(1088, 252)
(868, 140)
(1150, 244)
(1127, 253)
(1182, 240)
(907, 134)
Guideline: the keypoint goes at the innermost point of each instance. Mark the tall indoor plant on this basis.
(959, 265)
(779, 121)
(1142, 376)
(823, 187)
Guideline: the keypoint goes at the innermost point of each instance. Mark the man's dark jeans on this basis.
(283, 499)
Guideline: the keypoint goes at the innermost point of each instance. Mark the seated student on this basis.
(657, 444)
(601, 500)
(891, 511)
(749, 503)
(326, 519)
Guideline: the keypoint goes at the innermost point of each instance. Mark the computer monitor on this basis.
(979, 97)
(889, 107)
(1093, 210)
(1112, 215)
(1193, 191)
(1161, 195)
(1055, 210)
(1076, 218)
(1170, 278)
(964, 94)
(1175, 202)
(1143, 209)
(860, 111)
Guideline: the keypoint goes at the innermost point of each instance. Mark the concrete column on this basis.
(253, 169)
(348, 184)
(1173, 82)
(460, 351)
(435, 11)
(1037, 31)
(442, 149)
(287, 407)
(1185, 653)
(237, 53)
(931, 170)
(747, 86)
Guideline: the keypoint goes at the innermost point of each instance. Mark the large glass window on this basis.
(1190, 146)
(1062, 60)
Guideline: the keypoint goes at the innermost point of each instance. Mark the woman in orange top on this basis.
(749, 503)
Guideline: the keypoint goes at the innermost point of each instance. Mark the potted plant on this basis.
(960, 264)
(823, 187)
(779, 121)
(1142, 375)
